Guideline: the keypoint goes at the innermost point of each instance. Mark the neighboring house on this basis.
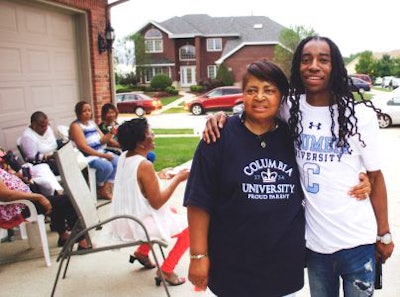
(49, 60)
(190, 48)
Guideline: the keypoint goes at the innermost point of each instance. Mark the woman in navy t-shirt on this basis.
(244, 199)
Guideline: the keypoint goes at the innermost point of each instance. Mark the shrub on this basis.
(197, 89)
(171, 90)
(160, 82)
(128, 79)
(209, 84)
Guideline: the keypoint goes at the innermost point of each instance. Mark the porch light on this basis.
(105, 43)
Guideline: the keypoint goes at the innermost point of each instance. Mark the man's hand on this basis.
(384, 251)
(213, 124)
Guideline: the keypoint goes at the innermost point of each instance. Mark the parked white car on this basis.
(390, 82)
(389, 104)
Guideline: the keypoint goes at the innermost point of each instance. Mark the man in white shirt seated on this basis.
(38, 141)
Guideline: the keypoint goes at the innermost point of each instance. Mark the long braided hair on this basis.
(340, 94)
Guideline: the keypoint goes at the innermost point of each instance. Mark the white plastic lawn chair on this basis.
(28, 232)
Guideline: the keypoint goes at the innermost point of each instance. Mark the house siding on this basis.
(99, 63)
(246, 55)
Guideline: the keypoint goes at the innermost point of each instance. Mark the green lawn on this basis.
(158, 131)
(173, 151)
(168, 100)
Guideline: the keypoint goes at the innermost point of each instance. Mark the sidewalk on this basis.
(110, 274)
(185, 97)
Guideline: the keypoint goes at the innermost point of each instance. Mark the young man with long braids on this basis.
(335, 138)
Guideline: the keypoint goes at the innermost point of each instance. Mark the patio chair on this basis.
(27, 230)
(90, 173)
(88, 220)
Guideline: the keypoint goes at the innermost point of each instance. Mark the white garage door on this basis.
(38, 66)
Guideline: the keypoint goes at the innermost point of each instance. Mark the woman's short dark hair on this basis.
(267, 71)
(79, 107)
(131, 133)
(105, 108)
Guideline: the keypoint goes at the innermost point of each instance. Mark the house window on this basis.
(151, 72)
(153, 41)
(187, 53)
(212, 71)
(214, 44)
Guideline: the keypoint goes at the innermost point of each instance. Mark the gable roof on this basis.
(244, 30)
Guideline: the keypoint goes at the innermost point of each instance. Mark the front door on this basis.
(188, 76)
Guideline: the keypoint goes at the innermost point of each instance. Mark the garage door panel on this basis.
(41, 96)
(64, 65)
(12, 101)
(67, 93)
(10, 61)
(34, 21)
(38, 61)
(8, 18)
(62, 29)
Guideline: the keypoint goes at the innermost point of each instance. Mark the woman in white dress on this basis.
(137, 192)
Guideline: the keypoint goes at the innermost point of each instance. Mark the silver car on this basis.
(389, 104)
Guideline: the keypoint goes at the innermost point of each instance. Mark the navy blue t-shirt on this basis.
(254, 198)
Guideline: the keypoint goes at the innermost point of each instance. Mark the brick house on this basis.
(190, 48)
(49, 60)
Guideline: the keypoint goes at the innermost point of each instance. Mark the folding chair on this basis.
(88, 220)
(27, 228)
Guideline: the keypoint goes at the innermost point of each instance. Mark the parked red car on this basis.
(137, 103)
(221, 98)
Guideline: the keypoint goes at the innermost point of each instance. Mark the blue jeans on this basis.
(355, 266)
(105, 170)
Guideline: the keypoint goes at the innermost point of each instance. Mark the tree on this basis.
(384, 66)
(366, 63)
(141, 57)
(289, 39)
(396, 67)
(224, 75)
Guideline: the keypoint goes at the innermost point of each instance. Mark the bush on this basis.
(197, 89)
(128, 79)
(160, 82)
(171, 90)
(209, 84)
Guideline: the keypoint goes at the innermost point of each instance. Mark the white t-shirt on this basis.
(33, 143)
(334, 220)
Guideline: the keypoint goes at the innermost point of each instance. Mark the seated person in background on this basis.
(137, 192)
(41, 174)
(58, 207)
(38, 141)
(109, 115)
(91, 142)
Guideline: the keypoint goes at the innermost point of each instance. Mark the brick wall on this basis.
(248, 54)
(97, 20)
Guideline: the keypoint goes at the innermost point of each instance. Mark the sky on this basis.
(354, 25)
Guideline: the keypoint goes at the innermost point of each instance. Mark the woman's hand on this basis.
(198, 272)
(182, 175)
(166, 173)
(45, 203)
(363, 189)
(109, 157)
(213, 124)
